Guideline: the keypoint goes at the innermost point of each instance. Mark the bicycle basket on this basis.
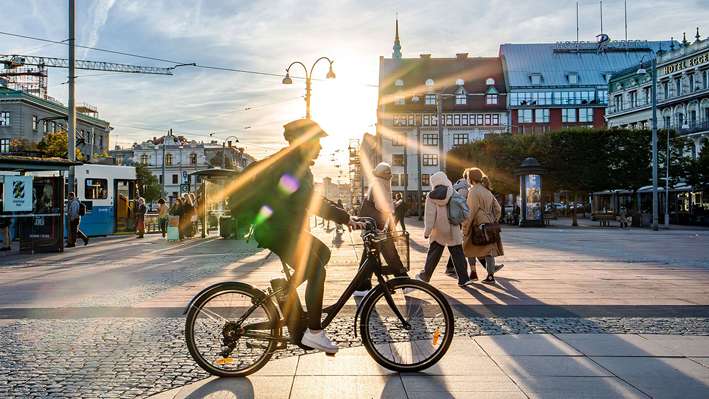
(401, 243)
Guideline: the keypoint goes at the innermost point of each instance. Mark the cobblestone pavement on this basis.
(138, 357)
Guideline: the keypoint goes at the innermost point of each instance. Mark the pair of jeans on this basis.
(307, 256)
(471, 262)
(75, 232)
(435, 251)
(392, 259)
(489, 263)
(163, 226)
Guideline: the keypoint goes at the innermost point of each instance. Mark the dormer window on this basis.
(430, 99)
(429, 84)
(399, 99)
(573, 78)
(536, 78)
(461, 99)
(399, 83)
(459, 82)
(490, 81)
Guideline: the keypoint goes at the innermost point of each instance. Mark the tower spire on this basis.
(397, 44)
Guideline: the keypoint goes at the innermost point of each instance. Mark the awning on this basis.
(26, 163)
(216, 173)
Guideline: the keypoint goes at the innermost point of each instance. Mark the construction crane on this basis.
(15, 61)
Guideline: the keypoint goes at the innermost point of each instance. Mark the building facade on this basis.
(24, 117)
(180, 158)
(427, 106)
(682, 93)
(552, 86)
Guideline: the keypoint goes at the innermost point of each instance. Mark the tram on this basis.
(108, 191)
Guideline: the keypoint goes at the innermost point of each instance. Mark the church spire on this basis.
(397, 44)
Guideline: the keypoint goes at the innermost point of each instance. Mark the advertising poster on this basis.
(17, 194)
(534, 201)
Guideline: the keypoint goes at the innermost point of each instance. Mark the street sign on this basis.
(184, 176)
(17, 194)
(184, 188)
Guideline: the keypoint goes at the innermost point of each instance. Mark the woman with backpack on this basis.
(379, 206)
(461, 187)
(440, 232)
(484, 210)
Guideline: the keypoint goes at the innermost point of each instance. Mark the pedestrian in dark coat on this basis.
(140, 210)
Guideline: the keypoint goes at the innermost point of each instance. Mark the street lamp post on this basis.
(653, 77)
(308, 79)
(224, 149)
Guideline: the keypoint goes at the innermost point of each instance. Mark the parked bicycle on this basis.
(232, 328)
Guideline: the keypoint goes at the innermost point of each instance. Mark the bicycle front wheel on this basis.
(414, 346)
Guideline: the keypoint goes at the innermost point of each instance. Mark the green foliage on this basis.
(54, 144)
(147, 184)
(697, 170)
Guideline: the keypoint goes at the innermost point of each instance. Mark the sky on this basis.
(266, 36)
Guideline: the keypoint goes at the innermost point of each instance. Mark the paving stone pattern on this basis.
(138, 357)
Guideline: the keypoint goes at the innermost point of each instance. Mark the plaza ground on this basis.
(106, 319)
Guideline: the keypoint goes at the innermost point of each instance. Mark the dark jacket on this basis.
(282, 190)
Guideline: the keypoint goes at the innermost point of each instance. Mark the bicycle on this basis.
(232, 328)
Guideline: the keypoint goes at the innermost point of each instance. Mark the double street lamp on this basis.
(308, 78)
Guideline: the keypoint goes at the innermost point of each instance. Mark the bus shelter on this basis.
(209, 181)
(33, 201)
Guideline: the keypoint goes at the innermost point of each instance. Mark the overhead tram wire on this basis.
(196, 65)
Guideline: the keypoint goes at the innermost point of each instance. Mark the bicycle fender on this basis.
(204, 291)
(366, 298)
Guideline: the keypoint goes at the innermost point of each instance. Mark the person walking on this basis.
(440, 232)
(176, 210)
(400, 211)
(379, 206)
(140, 210)
(73, 211)
(338, 226)
(461, 187)
(484, 209)
(163, 213)
(186, 217)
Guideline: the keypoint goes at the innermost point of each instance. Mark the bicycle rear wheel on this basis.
(214, 336)
(390, 342)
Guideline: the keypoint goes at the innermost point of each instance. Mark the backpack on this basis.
(82, 209)
(458, 209)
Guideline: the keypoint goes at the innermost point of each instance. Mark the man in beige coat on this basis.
(484, 208)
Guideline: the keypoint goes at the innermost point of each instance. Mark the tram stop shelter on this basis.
(32, 195)
(216, 177)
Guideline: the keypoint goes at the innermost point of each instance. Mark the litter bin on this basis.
(226, 226)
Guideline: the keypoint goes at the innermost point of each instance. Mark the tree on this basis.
(216, 160)
(147, 184)
(697, 171)
(54, 144)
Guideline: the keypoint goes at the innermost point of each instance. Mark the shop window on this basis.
(95, 189)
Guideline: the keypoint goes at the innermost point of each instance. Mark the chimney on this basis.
(461, 56)
(426, 56)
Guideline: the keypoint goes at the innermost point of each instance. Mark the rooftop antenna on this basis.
(577, 26)
(625, 9)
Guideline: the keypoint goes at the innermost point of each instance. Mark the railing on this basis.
(692, 127)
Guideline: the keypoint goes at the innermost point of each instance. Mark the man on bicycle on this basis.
(282, 221)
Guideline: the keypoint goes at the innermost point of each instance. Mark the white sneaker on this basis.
(361, 293)
(317, 339)
(467, 283)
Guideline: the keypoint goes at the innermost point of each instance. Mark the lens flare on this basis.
(288, 184)
(263, 214)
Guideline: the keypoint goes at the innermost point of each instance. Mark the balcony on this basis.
(692, 127)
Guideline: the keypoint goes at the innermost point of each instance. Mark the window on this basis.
(395, 180)
(524, 116)
(678, 87)
(460, 139)
(705, 79)
(430, 99)
(430, 160)
(536, 79)
(568, 115)
(456, 119)
(459, 82)
(429, 83)
(95, 189)
(4, 145)
(160, 179)
(399, 99)
(193, 159)
(4, 119)
(665, 89)
(144, 159)
(168, 159)
(398, 139)
(602, 97)
(495, 119)
(464, 119)
(425, 179)
(646, 95)
(633, 98)
(174, 179)
(427, 120)
(479, 119)
(434, 120)
(691, 82)
(411, 119)
(618, 102)
(430, 139)
(397, 160)
(45, 124)
(461, 99)
(668, 121)
(35, 123)
(541, 115)
(488, 119)
(586, 115)
(573, 78)
(449, 120)
(100, 142)
(491, 99)
(399, 83)
(489, 81)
